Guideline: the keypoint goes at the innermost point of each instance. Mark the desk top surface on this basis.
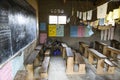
(38, 47)
(69, 52)
(64, 45)
(97, 54)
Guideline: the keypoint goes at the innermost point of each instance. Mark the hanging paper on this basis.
(77, 13)
(112, 33)
(110, 16)
(101, 22)
(73, 31)
(80, 15)
(89, 15)
(88, 31)
(43, 37)
(102, 10)
(60, 30)
(84, 16)
(116, 13)
(43, 26)
(52, 30)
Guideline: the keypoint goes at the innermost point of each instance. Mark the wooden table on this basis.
(70, 61)
(63, 49)
(100, 60)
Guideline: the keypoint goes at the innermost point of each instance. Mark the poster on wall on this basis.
(81, 31)
(43, 38)
(60, 30)
(56, 30)
(52, 30)
(42, 26)
(73, 31)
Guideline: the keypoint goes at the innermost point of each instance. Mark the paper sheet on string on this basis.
(102, 10)
(84, 16)
(89, 15)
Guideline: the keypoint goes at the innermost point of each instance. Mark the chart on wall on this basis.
(56, 30)
(42, 26)
(81, 31)
(17, 27)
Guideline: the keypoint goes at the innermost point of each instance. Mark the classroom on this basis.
(59, 39)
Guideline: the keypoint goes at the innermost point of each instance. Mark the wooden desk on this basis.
(83, 48)
(113, 52)
(100, 47)
(70, 61)
(45, 67)
(39, 47)
(81, 63)
(100, 60)
(63, 49)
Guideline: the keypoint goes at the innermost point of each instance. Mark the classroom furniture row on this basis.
(72, 58)
(102, 56)
(38, 61)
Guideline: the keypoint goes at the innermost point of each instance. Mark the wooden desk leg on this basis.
(100, 66)
(111, 70)
(29, 69)
(86, 53)
(69, 67)
(82, 69)
(63, 52)
(90, 58)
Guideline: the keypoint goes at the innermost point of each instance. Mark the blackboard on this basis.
(17, 27)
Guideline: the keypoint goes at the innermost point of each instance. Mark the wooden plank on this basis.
(64, 45)
(31, 57)
(21, 75)
(69, 52)
(97, 54)
(109, 62)
(39, 47)
(47, 52)
(114, 50)
(45, 65)
(79, 58)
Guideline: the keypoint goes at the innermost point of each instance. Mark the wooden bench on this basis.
(83, 48)
(21, 75)
(70, 61)
(81, 63)
(45, 67)
(110, 67)
(100, 47)
(29, 64)
(63, 50)
(112, 53)
(100, 60)
(115, 44)
(47, 52)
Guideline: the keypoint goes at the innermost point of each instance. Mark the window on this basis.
(53, 19)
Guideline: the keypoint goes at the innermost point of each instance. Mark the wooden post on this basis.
(82, 69)
(29, 69)
(69, 69)
(90, 58)
(64, 52)
(99, 66)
